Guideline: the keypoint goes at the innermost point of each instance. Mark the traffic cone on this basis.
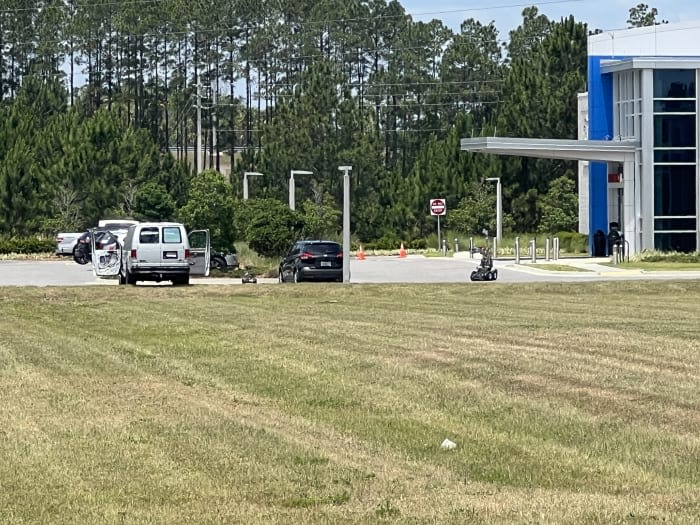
(361, 254)
(402, 251)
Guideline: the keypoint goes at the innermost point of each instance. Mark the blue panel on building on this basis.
(600, 127)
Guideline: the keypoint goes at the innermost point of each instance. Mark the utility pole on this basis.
(346, 222)
(213, 129)
(198, 145)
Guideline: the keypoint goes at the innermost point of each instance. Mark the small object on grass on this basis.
(448, 445)
(247, 278)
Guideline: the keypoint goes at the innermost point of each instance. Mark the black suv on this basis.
(312, 261)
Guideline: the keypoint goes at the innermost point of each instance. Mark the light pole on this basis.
(292, 204)
(346, 222)
(499, 209)
(247, 174)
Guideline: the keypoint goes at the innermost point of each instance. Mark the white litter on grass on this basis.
(448, 445)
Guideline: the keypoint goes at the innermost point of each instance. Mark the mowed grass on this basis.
(313, 403)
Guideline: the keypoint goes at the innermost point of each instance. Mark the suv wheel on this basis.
(280, 277)
(218, 263)
(296, 277)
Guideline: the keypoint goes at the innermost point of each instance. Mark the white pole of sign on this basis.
(439, 233)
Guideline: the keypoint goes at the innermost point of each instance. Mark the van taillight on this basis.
(133, 254)
(187, 253)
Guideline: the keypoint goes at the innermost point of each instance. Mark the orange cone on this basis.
(361, 254)
(402, 251)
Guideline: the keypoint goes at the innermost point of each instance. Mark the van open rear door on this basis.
(200, 252)
(106, 253)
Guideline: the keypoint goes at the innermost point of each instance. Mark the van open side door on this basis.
(106, 253)
(200, 252)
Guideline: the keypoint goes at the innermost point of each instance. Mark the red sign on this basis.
(438, 207)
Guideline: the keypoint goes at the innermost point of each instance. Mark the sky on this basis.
(506, 14)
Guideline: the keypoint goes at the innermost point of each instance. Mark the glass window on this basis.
(674, 190)
(329, 248)
(686, 156)
(675, 224)
(149, 236)
(674, 106)
(674, 83)
(674, 131)
(677, 242)
(172, 235)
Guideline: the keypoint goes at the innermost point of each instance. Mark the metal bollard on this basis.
(615, 254)
(495, 248)
(533, 250)
(547, 251)
(556, 248)
(456, 245)
(444, 247)
(517, 250)
(471, 247)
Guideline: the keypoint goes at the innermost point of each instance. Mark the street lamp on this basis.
(346, 222)
(499, 209)
(291, 185)
(247, 174)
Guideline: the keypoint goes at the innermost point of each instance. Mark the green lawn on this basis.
(660, 266)
(552, 267)
(327, 404)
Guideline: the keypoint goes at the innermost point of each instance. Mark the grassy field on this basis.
(569, 403)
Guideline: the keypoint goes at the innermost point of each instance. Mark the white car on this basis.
(65, 243)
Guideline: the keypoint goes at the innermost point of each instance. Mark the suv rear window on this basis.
(322, 248)
(171, 234)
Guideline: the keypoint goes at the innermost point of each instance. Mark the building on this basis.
(638, 138)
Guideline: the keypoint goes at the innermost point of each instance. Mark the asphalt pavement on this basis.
(373, 269)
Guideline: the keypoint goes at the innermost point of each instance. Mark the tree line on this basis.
(99, 104)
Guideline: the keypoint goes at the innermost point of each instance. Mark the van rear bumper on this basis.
(158, 268)
(150, 272)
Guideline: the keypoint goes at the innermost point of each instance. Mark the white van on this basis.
(156, 251)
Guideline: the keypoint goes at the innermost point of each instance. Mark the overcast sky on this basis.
(598, 14)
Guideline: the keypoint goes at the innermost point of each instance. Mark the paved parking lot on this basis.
(412, 269)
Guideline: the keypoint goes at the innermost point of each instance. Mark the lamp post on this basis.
(346, 222)
(499, 208)
(247, 174)
(292, 203)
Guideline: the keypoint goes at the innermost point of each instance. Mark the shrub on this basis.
(673, 257)
(26, 245)
(572, 242)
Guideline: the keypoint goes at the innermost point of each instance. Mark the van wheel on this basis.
(130, 278)
(122, 279)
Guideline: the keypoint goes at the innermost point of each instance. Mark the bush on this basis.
(672, 257)
(26, 245)
(389, 241)
(572, 242)
(418, 244)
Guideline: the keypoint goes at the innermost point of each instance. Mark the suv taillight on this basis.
(306, 256)
(340, 255)
(133, 254)
(187, 253)
(59, 239)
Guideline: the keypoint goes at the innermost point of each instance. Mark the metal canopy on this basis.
(591, 150)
